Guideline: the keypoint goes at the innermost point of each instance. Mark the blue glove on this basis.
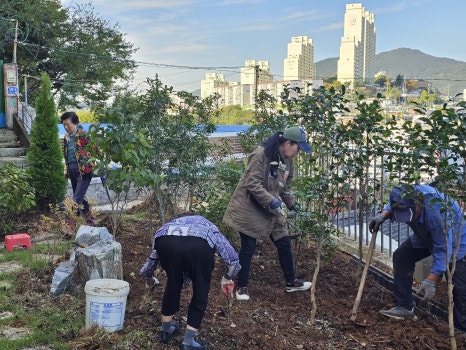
(429, 289)
(276, 206)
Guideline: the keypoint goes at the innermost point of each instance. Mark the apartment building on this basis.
(357, 49)
(255, 72)
(256, 76)
(244, 94)
(211, 81)
(299, 63)
(234, 94)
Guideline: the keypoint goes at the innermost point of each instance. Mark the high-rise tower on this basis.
(357, 49)
(299, 63)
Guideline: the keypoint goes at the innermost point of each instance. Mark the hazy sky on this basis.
(201, 36)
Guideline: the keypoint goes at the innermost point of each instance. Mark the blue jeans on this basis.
(404, 260)
(248, 247)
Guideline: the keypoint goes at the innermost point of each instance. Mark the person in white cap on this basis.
(255, 208)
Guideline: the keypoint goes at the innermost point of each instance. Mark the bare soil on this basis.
(272, 318)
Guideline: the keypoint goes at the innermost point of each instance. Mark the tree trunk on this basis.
(451, 326)
(313, 286)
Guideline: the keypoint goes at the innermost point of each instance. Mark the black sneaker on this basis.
(297, 285)
(165, 336)
(202, 346)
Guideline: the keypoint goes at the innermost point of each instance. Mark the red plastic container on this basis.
(19, 240)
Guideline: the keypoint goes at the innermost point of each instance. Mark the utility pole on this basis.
(15, 43)
(256, 82)
(2, 98)
(11, 84)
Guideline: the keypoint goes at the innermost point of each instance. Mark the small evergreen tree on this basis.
(45, 165)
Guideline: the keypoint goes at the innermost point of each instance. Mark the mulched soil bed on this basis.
(274, 319)
(271, 319)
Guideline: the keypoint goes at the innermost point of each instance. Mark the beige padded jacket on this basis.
(249, 208)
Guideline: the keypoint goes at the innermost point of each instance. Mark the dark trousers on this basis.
(193, 256)
(404, 261)
(248, 247)
(459, 294)
(79, 184)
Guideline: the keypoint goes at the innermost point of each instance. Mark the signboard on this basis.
(12, 90)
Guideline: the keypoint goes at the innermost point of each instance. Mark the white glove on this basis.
(151, 283)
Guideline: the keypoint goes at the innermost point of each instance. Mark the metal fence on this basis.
(353, 221)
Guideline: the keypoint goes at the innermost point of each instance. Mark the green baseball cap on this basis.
(296, 134)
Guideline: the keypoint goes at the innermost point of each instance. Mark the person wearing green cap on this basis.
(255, 208)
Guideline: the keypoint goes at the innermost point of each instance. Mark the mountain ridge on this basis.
(413, 64)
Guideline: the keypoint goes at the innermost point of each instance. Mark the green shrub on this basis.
(213, 198)
(16, 195)
(45, 157)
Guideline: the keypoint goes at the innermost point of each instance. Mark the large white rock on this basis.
(96, 255)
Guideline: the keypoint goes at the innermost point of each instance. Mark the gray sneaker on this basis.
(398, 312)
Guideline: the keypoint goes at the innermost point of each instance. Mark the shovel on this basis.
(354, 313)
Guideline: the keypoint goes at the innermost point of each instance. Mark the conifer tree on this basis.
(45, 157)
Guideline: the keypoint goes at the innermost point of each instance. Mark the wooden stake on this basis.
(354, 313)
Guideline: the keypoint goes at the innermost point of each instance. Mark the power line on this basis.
(162, 65)
(147, 64)
(230, 69)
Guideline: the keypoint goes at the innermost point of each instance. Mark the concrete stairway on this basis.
(11, 149)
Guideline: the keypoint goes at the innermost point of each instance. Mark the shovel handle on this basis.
(354, 313)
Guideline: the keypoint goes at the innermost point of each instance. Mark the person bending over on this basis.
(185, 248)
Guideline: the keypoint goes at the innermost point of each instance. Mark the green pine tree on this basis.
(45, 157)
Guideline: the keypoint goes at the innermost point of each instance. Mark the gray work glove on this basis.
(375, 223)
(293, 211)
(429, 289)
(276, 206)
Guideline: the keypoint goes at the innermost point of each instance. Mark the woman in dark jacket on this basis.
(255, 207)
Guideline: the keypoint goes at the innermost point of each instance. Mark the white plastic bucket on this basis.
(106, 303)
